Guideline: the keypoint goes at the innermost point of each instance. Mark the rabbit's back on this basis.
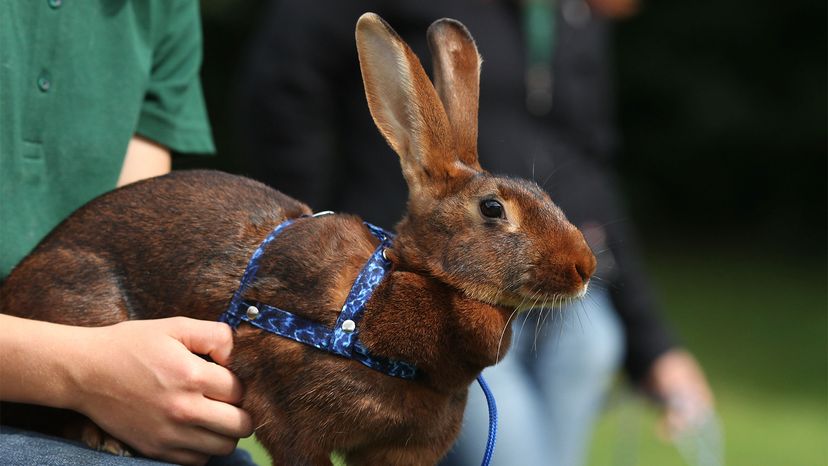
(167, 244)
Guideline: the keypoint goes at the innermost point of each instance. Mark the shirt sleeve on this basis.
(173, 113)
(648, 335)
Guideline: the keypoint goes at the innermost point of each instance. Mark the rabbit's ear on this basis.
(457, 80)
(406, 109)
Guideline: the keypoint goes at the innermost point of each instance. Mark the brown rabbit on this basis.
(471, 249)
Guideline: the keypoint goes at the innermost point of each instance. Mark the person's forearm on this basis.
(37, 360)
(139, 380)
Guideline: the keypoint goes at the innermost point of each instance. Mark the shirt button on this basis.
(55, 4)
(43, 82)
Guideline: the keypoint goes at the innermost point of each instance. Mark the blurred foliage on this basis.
(750, 321)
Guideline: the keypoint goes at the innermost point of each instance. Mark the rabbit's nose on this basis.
(579, 268)
(584, 261)
(586, 267)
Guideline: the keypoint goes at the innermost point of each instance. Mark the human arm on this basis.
(144, 159)
(654, 360)
(677, 381)
(138, 380)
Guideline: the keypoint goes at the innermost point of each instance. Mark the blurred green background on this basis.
(722, 106)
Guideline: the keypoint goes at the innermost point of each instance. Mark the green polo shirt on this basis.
(78, 78)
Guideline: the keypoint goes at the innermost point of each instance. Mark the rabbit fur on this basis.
(178, 244)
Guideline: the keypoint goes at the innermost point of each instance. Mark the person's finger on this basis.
(219, 383)
(203, 441)
(214, 339)
(224, 419)
(674, 423)
(686, 411)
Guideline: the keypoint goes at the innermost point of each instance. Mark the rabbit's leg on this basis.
(85, 292)
(82, 288)
(94, 437)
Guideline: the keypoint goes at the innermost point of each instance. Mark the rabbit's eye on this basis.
(491, 208)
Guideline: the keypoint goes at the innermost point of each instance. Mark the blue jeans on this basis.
(24, 448)
(549, 390)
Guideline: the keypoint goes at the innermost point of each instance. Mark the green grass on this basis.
(758, 325)
(260, 455)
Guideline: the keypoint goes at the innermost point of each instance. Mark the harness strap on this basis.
(288, 325)
(230, 316)
(343, 338)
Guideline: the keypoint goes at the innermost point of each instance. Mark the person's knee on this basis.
(589, 342)
(603, 350)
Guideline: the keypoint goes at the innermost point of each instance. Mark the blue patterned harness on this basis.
(343, 338)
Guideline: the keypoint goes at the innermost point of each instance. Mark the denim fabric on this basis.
(25, 448)
(549, 390)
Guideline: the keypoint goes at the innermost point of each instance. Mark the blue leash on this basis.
(490, 400)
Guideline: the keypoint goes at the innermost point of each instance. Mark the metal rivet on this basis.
(348, 326)
(252, 312)
(384, 256)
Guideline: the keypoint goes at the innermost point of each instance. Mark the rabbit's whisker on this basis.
(551, 310)
(503, 333)
(532, 307)
(520, 330)
(585, 308)
(580, 323)
(263, 424)
(596, 277)
(541, 317)
(563, 323)
(552, 173)
(613, 222)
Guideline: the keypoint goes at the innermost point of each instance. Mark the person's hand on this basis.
(677, 380)
(141, 382)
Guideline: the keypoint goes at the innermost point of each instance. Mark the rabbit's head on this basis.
(500, 240)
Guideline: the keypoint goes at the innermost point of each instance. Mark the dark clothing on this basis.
(306, 121)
